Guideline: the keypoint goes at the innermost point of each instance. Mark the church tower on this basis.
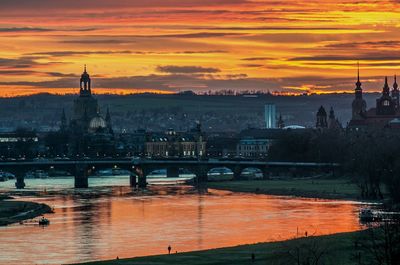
(395, 93)
(280, 124)
(333, 122)
(385, 105)
(322, 118)
(64, 125)
(85, 84)
(85, 106)
(359, 105)
(108, 120)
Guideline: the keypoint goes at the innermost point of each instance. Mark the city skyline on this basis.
(170, 46)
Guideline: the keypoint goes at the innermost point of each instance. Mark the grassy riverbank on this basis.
(16, 211)
(310, 188)
(338, 249)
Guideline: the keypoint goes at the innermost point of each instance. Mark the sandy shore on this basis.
(17, 211)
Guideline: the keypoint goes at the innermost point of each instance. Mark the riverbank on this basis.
(309, 188)
(17, 211)
(336, 249)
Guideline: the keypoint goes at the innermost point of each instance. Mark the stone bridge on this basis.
(140, 168)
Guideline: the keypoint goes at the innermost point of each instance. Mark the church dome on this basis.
(97, 123)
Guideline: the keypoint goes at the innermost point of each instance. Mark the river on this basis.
(120, 223)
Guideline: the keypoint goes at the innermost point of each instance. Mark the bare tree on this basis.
(380, 245)
(312, 250)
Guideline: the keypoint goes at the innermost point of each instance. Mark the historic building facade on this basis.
(176, 144)
(386, 113)
(253, 148)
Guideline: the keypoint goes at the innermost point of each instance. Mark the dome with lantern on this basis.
(97, 123)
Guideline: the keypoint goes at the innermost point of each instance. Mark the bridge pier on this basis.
(142, 184)
(132, 180)
(142, 177)
(265, 172)
(20, 182)
(237, 172)
(81, 178)
(201, 172)
(172, 172)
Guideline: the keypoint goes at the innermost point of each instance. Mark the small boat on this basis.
(44, 221)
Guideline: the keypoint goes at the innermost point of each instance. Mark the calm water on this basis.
(86, 229)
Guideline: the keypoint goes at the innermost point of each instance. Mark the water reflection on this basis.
(86, 228)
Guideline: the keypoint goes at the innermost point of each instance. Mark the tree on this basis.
(380, 245)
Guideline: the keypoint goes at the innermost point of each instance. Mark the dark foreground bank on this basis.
(17, 211)
(332, 249)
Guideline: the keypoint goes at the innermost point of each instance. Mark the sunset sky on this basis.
(201, 45)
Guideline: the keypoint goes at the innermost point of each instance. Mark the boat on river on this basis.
(44, 221)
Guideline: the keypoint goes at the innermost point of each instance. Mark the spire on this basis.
(358, 84)
(108, 116)
(63, 116)
(321, 118)
(395, 85)
(108, 120)
(281, 123)
(84, 69)
(85, 115)
(332, 113)
(63, 121)
(386, 87)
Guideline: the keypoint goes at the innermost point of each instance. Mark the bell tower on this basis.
(395, 94)
(85, 84)
(359, 106)
(85, 105)
(385, 105)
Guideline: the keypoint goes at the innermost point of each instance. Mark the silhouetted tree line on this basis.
(380, 245)
(371, 157)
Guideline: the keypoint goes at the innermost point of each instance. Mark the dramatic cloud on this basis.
(169, 45)
(24, 29)
(106, 4)
(186, 69)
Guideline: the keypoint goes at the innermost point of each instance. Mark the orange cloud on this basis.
(217, 44)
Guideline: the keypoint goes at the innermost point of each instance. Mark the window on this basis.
(386, 103)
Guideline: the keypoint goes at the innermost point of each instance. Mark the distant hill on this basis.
(235, 111)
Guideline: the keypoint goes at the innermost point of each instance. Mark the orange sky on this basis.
(174, 45)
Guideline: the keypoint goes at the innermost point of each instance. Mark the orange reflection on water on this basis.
(106, 227)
